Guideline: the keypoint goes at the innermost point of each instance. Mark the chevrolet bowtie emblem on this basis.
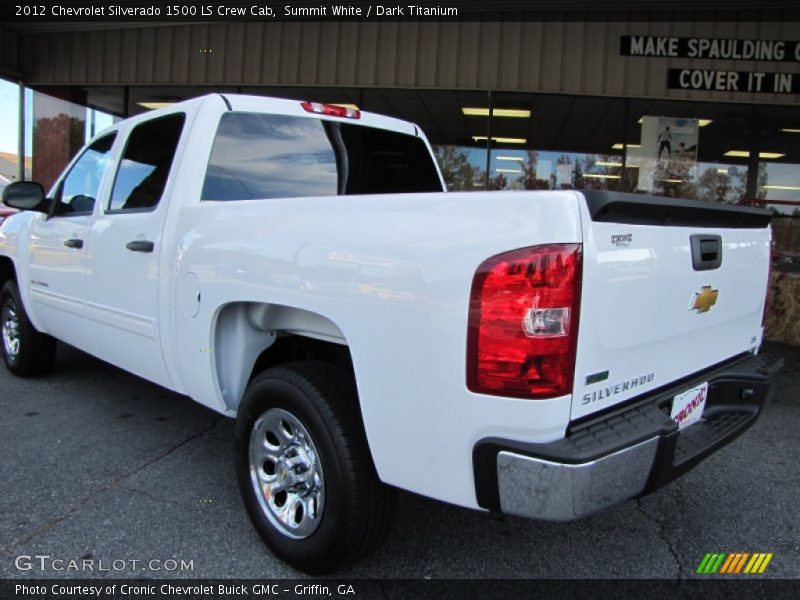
(704, 300)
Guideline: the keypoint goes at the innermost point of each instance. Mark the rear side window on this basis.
(386, 162)
(270, 156)
(257, 156)
(145, 164)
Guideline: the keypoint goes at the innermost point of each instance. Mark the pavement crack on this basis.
(662, 532)
(110, 486)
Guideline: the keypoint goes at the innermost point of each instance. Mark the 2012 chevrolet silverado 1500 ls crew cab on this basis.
(299, 266)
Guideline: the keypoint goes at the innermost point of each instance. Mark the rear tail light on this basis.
(332, 110)
(523, 322)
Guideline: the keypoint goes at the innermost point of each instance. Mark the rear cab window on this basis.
(263, 156)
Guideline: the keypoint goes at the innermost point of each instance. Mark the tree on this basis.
(499, 182)
(713, 186)
(458, 172)
(577, 176)
(55, 142)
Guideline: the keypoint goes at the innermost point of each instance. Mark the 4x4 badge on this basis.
(704, 300)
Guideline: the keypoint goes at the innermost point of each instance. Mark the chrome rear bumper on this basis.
(624, 453)
(533, 487)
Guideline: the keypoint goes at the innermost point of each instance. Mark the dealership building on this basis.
(699, 109)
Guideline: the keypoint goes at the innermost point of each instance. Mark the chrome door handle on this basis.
(140, 246)
(74, 243)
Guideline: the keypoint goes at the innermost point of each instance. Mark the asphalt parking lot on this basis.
(100, 464)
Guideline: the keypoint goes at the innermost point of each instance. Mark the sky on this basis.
(9, 116)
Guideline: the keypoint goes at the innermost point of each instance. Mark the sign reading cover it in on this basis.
(733, 81)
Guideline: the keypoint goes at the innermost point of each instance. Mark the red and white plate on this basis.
(687, 407)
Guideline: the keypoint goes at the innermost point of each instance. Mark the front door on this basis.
(59, 246)
(124, 263)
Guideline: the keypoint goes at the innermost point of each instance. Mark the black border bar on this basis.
(121, 12)
(710, 587)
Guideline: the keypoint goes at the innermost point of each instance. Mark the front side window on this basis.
(78, 191)
(262, 156)
(145, 164)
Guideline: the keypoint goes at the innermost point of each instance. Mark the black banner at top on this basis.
(182, 11)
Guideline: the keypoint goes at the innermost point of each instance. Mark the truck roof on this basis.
(279, 106)
(246, 103)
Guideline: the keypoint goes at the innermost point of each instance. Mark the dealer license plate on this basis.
(687, 407)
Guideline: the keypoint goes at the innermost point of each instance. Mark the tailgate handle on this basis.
(706, 251)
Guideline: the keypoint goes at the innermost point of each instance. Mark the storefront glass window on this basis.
(463, 168)
(9, 132)
(97, 121)
(554, 170)
(57, 130)
(779, 192)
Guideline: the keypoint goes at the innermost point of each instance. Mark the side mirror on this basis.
(26, 195)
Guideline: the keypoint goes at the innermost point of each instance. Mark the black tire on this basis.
(357, 507)
(37, 351)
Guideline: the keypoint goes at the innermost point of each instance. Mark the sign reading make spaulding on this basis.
(722, 49)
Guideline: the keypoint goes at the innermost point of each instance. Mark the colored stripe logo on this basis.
(734, 563)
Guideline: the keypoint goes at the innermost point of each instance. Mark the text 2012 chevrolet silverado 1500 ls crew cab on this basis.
(299, 266)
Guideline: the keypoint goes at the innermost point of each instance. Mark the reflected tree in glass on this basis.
(458, 172)
(55, 142)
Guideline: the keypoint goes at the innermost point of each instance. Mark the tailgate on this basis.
(670, 287)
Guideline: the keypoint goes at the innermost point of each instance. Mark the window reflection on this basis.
(58, 132)
(78, 191)
(463, 168)
(514, 169)
(145, 165)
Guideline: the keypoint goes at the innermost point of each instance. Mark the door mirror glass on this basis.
(25, 195)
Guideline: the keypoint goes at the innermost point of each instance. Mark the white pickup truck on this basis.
(299, 266)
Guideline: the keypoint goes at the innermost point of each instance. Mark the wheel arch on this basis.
(8, 272)
(249, 337)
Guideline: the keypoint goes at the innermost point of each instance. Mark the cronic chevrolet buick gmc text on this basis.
(299, 266)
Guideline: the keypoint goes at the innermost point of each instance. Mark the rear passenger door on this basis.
(123, 266)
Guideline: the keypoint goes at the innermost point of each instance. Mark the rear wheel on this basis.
(26, 352)
(304, 469)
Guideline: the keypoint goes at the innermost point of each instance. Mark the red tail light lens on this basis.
(332, 110)
(523, 322)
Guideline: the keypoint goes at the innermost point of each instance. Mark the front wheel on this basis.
(304, 468)
(26, 351)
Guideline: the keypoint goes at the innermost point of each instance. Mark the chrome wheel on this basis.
(11, 339)
(286, 473)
